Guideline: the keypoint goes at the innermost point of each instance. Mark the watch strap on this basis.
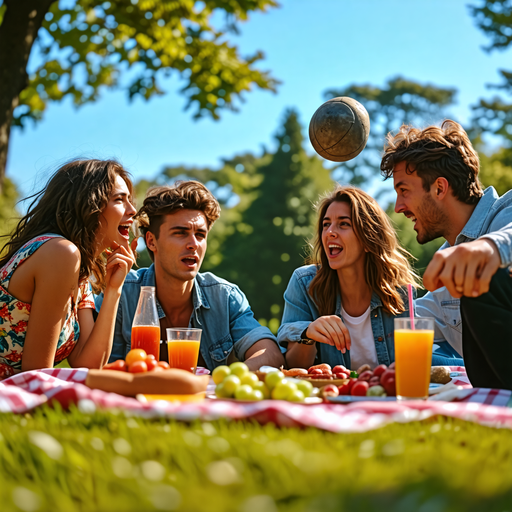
(304, 340)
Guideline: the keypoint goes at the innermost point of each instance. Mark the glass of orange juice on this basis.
(414, 338)
(183, 347)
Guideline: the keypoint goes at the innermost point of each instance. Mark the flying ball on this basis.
(339, 129)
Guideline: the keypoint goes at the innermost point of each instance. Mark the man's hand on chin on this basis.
(465, 269)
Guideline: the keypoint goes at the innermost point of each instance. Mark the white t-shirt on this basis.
(362, 349)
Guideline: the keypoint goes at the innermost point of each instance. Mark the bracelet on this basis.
(304, 340)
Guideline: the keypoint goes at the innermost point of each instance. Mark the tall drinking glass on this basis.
(183, 347)
(414, 338)
(146, 325)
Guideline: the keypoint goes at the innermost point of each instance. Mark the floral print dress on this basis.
(15, 314)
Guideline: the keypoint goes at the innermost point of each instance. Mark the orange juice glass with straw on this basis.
(183, 348)
(414, 338)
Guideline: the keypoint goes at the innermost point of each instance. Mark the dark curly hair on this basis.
(184, 195)
(70, 205)
(433, 153)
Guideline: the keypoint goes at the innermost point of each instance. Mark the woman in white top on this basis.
(340, 309)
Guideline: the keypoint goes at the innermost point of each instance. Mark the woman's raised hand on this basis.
(119, 263)
(331, 331)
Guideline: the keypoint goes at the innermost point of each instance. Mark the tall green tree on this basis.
(493, 116)
(399, 101)
(270, 239)
(80, 47)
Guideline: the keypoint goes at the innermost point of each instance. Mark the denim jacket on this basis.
(221, 310)
(300, 310)
(492, 219)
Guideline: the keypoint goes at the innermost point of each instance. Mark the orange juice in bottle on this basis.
(147, 337)
(146, 325)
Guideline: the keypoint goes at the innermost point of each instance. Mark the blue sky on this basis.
(311, 46)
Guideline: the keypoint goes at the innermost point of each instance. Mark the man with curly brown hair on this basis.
(435, 175)
(175, 222)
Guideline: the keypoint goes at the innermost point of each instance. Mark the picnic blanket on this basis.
(28, 390)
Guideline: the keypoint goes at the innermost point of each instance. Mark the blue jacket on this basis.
(221, 310)
(492, 219)
(300, 310)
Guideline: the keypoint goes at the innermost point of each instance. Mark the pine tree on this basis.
(270, 240)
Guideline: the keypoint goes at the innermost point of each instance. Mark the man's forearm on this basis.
(264, 353)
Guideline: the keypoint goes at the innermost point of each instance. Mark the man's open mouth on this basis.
(124, 229)
(190, 260)
(335, 249)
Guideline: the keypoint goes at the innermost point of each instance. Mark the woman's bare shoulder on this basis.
(59, 254)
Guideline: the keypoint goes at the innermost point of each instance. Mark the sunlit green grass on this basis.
(56, 461)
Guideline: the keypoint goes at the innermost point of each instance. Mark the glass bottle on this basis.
(146, 325)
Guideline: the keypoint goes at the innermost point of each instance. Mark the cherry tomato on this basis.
(341, 375)
(388, 374)
(163, 364)
(344, 389)
(138, 367)
(118, 365)
(151, 363)
(390, 386)
(340, 369)
(351, 383)
(150, 356)
(136, 354)
(316, 371)
(379, 370)
(360, 388)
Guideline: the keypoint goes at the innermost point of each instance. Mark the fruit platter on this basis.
(236, 382)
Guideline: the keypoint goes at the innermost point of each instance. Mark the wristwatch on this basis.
(304, 340)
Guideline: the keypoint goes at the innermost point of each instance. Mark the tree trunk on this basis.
(18, 31)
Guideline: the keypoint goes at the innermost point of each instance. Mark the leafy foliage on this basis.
(86, 46)
(400, 101)
(494, 116)
(56, 461)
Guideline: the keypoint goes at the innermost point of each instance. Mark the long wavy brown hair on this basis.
(70, 205)
(387, 267)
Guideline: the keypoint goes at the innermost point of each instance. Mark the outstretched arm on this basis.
(465, 269)
(95, 342)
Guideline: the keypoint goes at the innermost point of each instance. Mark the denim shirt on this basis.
(492, 219)
(221, 310)
(300, 310)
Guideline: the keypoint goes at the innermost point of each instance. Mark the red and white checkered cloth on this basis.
(27, 390)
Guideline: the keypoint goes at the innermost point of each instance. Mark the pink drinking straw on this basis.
(411, 305)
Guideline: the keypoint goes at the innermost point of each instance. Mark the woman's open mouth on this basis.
(124, 230)
(334, 250)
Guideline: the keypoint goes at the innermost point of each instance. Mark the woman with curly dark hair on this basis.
(76, 228)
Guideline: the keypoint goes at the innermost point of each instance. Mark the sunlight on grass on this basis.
(59, 461)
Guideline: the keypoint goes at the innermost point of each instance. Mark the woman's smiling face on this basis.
(117, 217)
(341, 245)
